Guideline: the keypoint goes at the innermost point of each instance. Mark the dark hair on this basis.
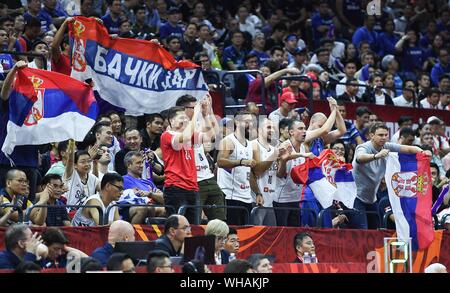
(155, 259)
(406, 81)
(151, 117)
(90, 264)
(62, 146)
(407, 131)
(434, 165)
(373, 76)
(346, 149)
(255, 259)
(38, 42)
(54, 235)
(184, 100)
(80, 153)
(279, 27)
(238, 266)
(361, 110)
(284, 122)
(272, 65)
(27, 266)
(250, 56)
(232, 231)
(298, 238)
(172, 37)
(137, 8)
(110, 178)
(320, 50)
(171, 222)
(32, 22)
(433, 91)
(173, 112)
(377, 125)
(402, 119)
(115, 261)
(49, 177)
(130, 129)
(98, 126)
(193, 267)
(275, 48)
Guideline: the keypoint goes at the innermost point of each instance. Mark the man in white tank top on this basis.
(265, 172)
(111, 189)
(288, 194)
(235, 161)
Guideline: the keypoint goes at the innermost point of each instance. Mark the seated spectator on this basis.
(60, 167)
(121, 262)
(56, 242)
(158, 261)
(432, 99)
(351, 91)
(441, 68)
(407, 99)
(15, 193)
(232, 242)
(238, 266)
(21, 245)
(133, 141)
(144, 188)
(111, 189)
(89, 264)
(175, 230)
(195, 266)
(119, 231)
(350, 71)
(219, 229)
(375, 94)
(51, 196)
(303, 243)
(260, 263)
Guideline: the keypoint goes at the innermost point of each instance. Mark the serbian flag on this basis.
(345, 185)
(139, 76)
(46, 106)
(409, 184)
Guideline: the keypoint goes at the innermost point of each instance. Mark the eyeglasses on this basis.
(187, 229)
(120, 188)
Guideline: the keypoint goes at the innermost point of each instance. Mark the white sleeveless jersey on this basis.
(268, 180)
(201, 164)
(286, 189)
(235, 182)
(81, 220)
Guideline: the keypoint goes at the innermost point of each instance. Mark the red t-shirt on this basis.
(254, 94)
(179, 165)
(62, 66)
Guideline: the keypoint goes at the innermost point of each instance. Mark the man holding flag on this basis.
(369, 167)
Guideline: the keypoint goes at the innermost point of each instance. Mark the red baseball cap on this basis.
(288, 97)
(313, 78)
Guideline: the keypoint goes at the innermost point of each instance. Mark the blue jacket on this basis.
(103, 253)
(9, 260)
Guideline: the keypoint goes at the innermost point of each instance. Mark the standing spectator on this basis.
(322, 22)
(233, 56)
(265, 171)
(110, 191)
(369, 167)
(119, 231)
(41, 48)
(144, 28)
(406, 136)
(51, 196)
(173, 45)
(171, 27)
(151, 135)
(34, 10)
(32, 31)
(21, 245)
(133, 141)
(60, 49)
(287, 192)
(235, 162)
(277, 37)
(112, 19)
(387, 39)
(175, 231)
(24, 157)
(413, 56)
(366, 33)
(259, 43)
(441, 68)
(352, 136)
(189, 45)
(287, 104)
(180, 185)
(303, 243)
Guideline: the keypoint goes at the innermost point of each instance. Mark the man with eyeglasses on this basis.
(15, 193)
(51, 196)
(175, 231)
(111, 190)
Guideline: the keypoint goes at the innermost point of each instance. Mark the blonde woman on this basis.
(219, 229)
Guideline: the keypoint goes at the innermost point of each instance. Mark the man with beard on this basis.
(133, 141)
(288, 193)
(235, 162)
(151, 135)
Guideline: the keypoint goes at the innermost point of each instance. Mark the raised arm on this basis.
(337, 133)
(70, 159)
(188, 132)
(7, 84)
(326, 127)
(276, 75)
(59, 36)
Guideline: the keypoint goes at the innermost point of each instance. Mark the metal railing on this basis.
(100, 210)
(303, 78)
(110, 207)
(183, 208)
(255, 210)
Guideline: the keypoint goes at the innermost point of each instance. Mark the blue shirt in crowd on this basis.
(102, 254)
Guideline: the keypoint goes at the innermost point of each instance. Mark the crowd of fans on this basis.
(398, 56)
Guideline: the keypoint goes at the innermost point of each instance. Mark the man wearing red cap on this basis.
(287, 104)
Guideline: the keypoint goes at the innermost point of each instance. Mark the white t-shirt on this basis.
(340, 88)
(202, 164)
(79, 192)
(426, 105)
(402, 102)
